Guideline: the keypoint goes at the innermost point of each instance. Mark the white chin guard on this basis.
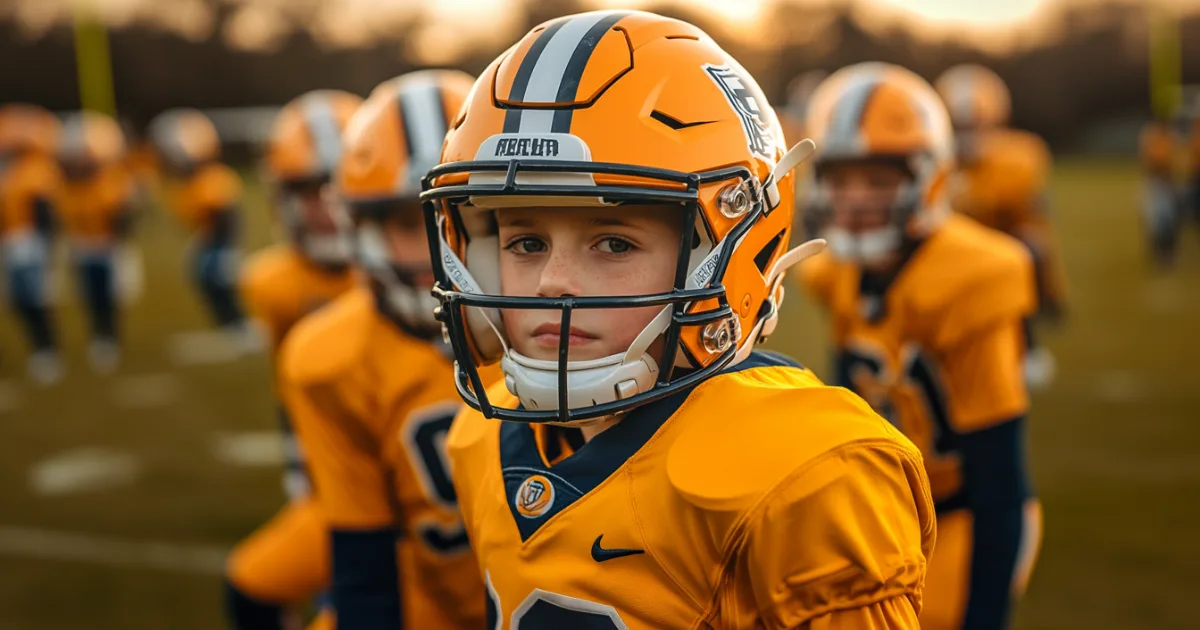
(874, 246)
(414, 307)
(329, 249)
(589, 383)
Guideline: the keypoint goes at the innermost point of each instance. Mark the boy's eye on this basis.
(615, 246)
(527, 245)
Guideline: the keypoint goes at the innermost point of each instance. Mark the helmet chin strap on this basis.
(774, 278)
(406, 300)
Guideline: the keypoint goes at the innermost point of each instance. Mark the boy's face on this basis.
(861, 195)
(311, 203)
(585, 252)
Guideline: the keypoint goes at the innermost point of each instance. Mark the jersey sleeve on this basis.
(349, 478)
(254, 286)
(34, 181)
(890, 614)
(984, 377)
(866, 518)
(996, 288)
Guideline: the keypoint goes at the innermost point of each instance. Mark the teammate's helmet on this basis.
(976, 97)
(606, 108)
(26, 127)
(878, 112)
(393, 139)
(303, 150)
(184, 139)
(89, 141)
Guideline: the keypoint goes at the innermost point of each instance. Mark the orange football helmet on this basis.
(975, 97)
(878, 112)
(605, 108)
(303, 150)
(26, 127)
(88, 142)
(393, 139)
(184, 140)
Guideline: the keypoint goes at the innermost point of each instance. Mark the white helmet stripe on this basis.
(325, 131)
(558, 68)
(843, 134)
(423, 113)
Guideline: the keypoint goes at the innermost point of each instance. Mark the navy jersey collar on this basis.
(544, 491)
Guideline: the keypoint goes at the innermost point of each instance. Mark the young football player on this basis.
(1161, 203)
(1001, 181)
(370, 386)
(927, 309)
(286, 562)
(610, 223)
(205, 195)
(97, 215)
(30, 190)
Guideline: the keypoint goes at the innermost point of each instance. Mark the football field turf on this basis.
(119, 494)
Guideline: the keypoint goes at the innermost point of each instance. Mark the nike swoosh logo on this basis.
(600, 554)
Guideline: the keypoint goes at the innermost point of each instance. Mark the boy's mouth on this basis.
(548, 334)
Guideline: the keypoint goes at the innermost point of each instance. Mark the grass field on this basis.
(1115, 445)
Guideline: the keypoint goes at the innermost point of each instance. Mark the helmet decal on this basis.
(750, 106)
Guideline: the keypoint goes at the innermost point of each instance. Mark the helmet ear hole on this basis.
(763, 258)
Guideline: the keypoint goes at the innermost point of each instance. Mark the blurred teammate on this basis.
(97, 215)
(927, 310)
(370, 387)
(205, 195)
(1162, 205)
(30, 190)
(1002, 180)
(286, 562)
(799, 95)
(654, 471)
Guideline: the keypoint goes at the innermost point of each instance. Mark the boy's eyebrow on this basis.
(520, 223)
(611, 221)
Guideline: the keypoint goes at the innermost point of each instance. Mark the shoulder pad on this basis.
(332, 340)
(818, 275)
(36, 175)
(261, 278)
(969, 278)
(746, 432)
(216, 186)
(1024, 161)
(470, 429)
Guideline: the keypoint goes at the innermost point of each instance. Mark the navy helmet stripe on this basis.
(512, 118)
(568, 89)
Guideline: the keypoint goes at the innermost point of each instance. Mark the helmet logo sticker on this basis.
(749, 105)
(527, 147)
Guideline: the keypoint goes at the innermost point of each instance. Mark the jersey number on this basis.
(543, 610)
(919, 391)
(425, 436)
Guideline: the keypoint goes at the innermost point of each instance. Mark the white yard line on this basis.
(146, 391)
(42, 544)
(208, 347)
(250, 449)
(84, 469)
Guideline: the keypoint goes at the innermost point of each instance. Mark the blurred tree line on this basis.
(1094, 70)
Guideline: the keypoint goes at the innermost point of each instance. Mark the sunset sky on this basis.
(259, 24)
